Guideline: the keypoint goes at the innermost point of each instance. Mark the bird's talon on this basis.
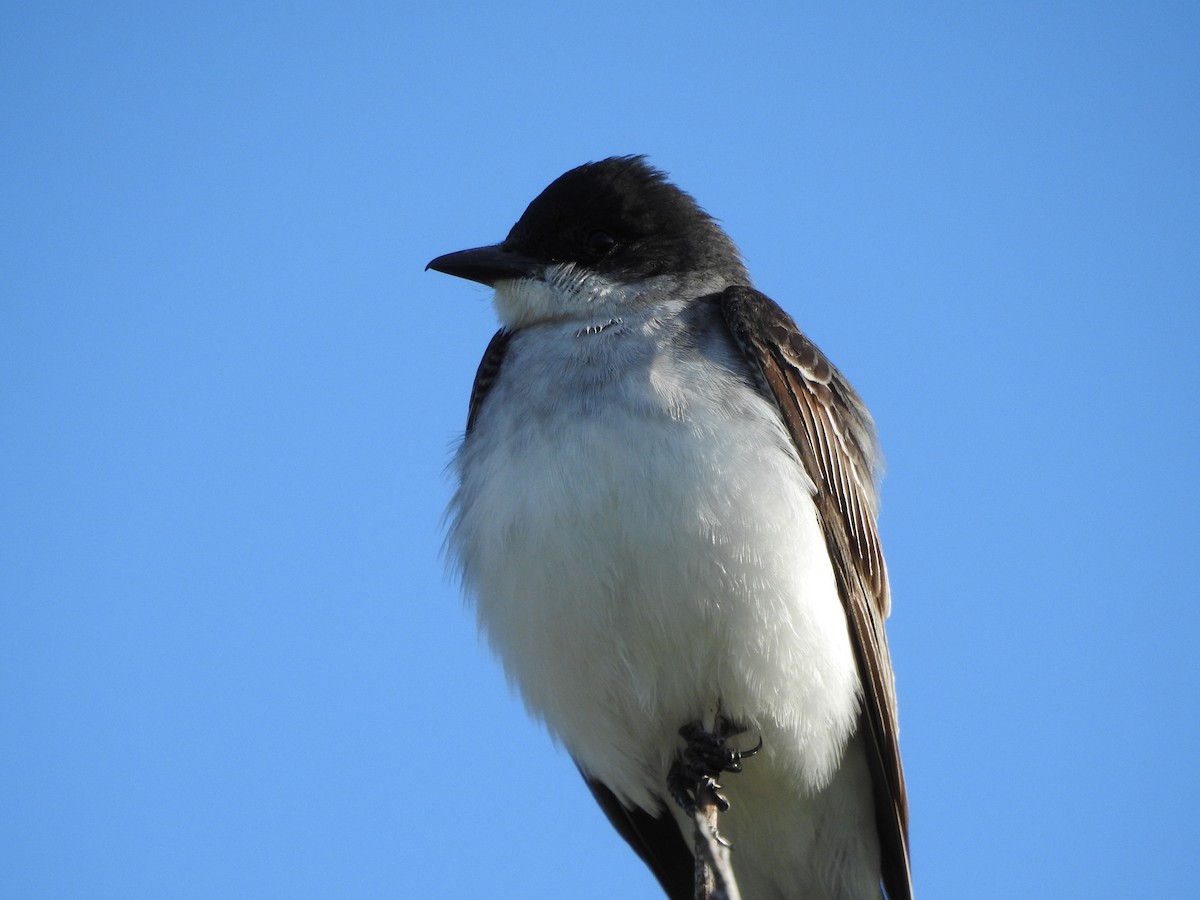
(700, 763)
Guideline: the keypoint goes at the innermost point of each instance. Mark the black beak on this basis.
(487, 265)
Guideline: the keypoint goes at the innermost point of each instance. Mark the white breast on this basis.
(641, 544)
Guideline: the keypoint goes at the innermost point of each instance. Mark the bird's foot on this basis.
(697, 768)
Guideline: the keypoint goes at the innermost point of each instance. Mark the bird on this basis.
(665, 516)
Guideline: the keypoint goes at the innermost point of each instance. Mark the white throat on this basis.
(567, 292)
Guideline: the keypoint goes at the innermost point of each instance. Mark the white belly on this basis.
(642, 550)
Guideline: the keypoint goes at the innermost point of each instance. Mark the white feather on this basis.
(641, 544)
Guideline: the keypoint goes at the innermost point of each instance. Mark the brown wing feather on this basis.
(835, 439)
(655, 838)
(485, 375)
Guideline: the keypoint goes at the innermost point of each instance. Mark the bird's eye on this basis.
(600, 243)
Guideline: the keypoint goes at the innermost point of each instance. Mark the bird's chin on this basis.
(562, 294)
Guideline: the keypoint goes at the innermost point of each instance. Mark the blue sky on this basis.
(231, 661)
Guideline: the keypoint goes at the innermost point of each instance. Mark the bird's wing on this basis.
(835, 439)
(485, 375)
(655, 838)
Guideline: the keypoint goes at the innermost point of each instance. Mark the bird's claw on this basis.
(696, 769)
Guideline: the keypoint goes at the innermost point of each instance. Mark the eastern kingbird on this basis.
(666, 518)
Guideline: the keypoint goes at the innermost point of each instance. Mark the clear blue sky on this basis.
(231, 661)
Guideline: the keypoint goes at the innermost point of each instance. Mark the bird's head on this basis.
(600, 238)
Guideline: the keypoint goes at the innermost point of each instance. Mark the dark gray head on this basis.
(619, 218)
